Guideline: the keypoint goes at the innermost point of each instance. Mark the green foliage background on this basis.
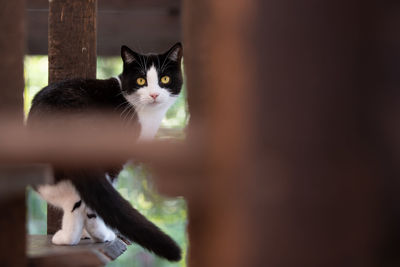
(134, 181)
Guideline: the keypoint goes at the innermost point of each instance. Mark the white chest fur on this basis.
(150, 111)
(150, 119)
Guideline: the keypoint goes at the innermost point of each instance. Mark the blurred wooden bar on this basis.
(281, 88)
(12, 206)
(220, 82)
(12, 25)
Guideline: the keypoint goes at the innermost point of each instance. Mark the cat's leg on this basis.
(97, 228)
(72, 225)
(64, 195)
(85, 234)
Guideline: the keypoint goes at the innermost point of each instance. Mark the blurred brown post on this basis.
(72, 53)
(12, 206)
(221, 86)
(279, 86)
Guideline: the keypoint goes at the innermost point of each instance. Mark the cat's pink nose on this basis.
(154, 95)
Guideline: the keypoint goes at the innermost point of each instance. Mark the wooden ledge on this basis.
(41, 252)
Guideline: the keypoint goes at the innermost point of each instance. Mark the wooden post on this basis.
(12, 25)
(12, 206)
(72, 53)
(288, 179)
(218, 56)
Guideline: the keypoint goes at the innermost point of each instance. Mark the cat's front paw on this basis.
(64, 238)
(106, 235)
(85, 234)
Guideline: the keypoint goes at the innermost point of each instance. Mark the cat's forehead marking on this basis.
(152, 76)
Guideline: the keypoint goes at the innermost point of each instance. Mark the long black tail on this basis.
(118, 213)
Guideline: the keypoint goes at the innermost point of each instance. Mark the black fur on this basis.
(141, 64)
(118, 213)
(91, 216)
(83, 96)
(76, 205)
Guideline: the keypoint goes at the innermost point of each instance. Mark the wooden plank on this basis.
(12, 206)
(115, 4)
(72, 53)
(148, 30)
(295, 148)
(108, 144)
(12, 225)
(12, 26)
(382, 110)
(218, 223)
(15, 178)
(314, 185)
(13, 182)
(144, 31)
(41, 252)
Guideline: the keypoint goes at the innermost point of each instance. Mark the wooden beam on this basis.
(13, 182)
(219, 55)
(41, 252)
(115, 4)
(24, 175)
(12, 223)
(12, 26)
(12, 206)
(72, 53)
(147, 26)
(292, 177)
(150, 30)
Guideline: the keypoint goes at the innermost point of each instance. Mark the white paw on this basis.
(64, 238)
(85, 234)
(98, 230)
(106, 235)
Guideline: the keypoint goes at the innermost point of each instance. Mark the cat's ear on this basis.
(175, 53)
(128, 56)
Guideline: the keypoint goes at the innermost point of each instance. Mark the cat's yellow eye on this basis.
(140, 81)
(165, 79)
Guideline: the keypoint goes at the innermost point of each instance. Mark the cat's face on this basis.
(151, 81)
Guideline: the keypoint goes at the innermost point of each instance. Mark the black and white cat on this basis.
(147, 87)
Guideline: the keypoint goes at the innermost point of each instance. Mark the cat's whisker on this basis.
(125, 110)
(131, 110)
(121, 105)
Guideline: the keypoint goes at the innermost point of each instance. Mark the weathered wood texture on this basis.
(13, 182)
(12, 225)
(72, 53)
(12, 26)
(147, 26)
(14, 178)
(115, 4)
(72, 39)
(41, 252)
